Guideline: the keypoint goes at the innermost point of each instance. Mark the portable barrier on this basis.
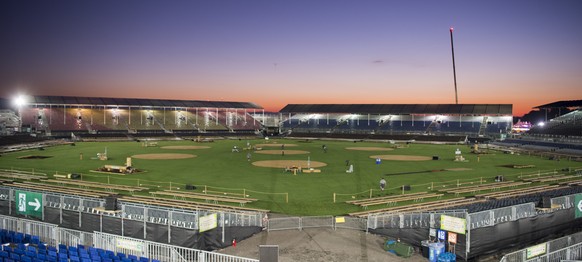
(162, 252)
(567, 247)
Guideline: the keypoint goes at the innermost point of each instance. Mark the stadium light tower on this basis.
(454, 70)
(19, 101)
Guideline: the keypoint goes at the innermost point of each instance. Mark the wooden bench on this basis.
(478, 188)
(62, 190)
(389, 201)
(90, 184)
(184, 204)
(517, 192)
(206, 197)
(21, 176)
(549, 178)
(356, 202)
(425, 206)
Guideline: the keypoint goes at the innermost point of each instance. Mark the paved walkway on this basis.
(320, 244)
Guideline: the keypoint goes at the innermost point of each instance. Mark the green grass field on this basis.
(218, 169)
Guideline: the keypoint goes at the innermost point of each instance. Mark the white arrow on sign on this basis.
(35, 204)
(580, 205)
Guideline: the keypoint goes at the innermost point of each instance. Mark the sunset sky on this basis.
(275, 53)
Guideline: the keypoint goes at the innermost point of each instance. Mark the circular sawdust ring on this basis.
(458, 169)
(370, 148)
(274, 145)
(288, 163)
(280, 152)
(184, 147)
(402, 157)
(164, 156)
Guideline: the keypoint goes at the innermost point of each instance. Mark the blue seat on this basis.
(51, 248)
(52, 253)
(18, 251)
(125, 259)
(63, 255)
(30, 254)
(27, 238)
(132, 257)
(25, 259)
(35, 240)
(4, 254)
(121, 255)
(51, 259)
(15, 256)
(144, 259)
(18, 237)
(31, 248)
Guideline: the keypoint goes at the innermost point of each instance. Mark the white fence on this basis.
(299, 223)
(162, 252)
(54, 235)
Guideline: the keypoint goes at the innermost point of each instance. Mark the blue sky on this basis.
(273, 53)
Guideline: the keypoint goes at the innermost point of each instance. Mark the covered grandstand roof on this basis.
(444, 109)
(105, 101)
(562, 104)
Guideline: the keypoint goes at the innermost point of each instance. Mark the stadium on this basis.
(126, 179)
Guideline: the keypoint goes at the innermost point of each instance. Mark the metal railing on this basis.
(300, 223)
(162, 252)
(567, 247)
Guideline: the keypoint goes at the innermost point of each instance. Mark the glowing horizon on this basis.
(274, 54)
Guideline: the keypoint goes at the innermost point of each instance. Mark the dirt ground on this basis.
(184, 147)
(274, 145)
(402, 157)
(288, 163)
(320, 244)
(279, 152)
(370, 148)
(163, 156)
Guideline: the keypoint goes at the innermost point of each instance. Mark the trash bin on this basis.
(424, 250)
(435, 249)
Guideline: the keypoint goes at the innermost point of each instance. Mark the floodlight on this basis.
(20, 100)
(541, 124)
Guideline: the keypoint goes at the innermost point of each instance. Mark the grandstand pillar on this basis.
(169, 223)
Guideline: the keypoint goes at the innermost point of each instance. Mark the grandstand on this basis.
(106, 117)
(397, 121)
(569, 124)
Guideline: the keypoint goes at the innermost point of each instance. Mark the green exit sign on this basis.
(29, 203)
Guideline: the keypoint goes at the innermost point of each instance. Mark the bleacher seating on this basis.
(17, 246)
